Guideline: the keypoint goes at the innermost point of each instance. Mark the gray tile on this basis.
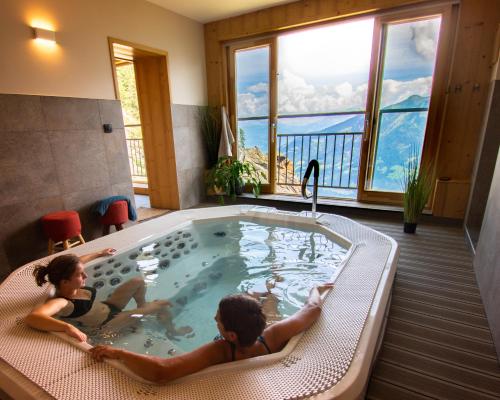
(182, 147)
(80, 159)
(71, 113)
(111, 113)
(193, 116)
(191, 187)
(28, 168)
(22, 235)
(123, 189)
(117, 156)
(188, 148)
(179, 115)
(20, 113)
(83, 201)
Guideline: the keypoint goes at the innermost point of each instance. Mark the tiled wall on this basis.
(55, 156)
(485, 166)
(483, 217)
(190, 155)
(487, 259)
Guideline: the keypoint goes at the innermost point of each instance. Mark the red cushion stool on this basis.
(62, 228)
(116, 214)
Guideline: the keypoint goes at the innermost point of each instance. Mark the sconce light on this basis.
(45, 35)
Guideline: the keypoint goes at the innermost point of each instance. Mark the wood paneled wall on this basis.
(469, 72)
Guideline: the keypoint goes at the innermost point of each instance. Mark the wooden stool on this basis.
(63, 229)
(116, 214)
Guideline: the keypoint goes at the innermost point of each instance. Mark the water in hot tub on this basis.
(194, 267)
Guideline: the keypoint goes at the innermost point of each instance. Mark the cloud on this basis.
(250, 105)
(260, 87)
(395, 91)
(297, 96)
(424, 39)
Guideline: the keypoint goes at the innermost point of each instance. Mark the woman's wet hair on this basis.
(243, 315)
(60, 268)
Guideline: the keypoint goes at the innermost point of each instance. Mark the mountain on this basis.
(354, 124)
(414, 101)
(398, 133)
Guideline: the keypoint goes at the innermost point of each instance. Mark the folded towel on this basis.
(226, 136)
(102, 206)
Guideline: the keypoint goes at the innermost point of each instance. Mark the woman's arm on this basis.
(279, 333)
(162, 370)
(41, 318)
(92, 256)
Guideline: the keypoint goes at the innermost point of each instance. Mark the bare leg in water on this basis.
(135, 288)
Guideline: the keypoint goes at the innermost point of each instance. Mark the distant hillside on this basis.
(414, 101)
(356, 123)
(398, 133)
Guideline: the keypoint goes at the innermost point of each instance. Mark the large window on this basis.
(253, 111)
(354, 95)
(409, 56)
(322, 90)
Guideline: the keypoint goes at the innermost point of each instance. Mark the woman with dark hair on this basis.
(243, 334)
(73, 301)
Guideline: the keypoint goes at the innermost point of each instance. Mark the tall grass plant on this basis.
(417, 187)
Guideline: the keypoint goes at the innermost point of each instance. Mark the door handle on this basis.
(367, 126)
(273, 132)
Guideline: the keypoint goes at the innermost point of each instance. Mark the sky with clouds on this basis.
(326, 69)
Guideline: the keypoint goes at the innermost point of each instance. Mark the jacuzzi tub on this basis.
(330, 360)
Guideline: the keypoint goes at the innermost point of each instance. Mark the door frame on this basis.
(273, 101)
(153, 92)
(449, 14)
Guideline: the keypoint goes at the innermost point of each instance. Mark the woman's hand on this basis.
(317, 291)
(75, 333)
(99, 353)
(92, 256)
(107, 252)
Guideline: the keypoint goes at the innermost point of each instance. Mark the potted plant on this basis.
(210, 124)
(417, 188)
(231, 175)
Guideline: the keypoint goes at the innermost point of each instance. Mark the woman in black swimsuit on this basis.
(76, 302)
(243, 334)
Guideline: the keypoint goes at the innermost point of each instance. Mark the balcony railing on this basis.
(135, 148)
(337, 154)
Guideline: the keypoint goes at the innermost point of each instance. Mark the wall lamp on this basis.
(44, 35)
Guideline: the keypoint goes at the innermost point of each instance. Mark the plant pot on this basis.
(238, 187)
(410, 227)
(215, 191)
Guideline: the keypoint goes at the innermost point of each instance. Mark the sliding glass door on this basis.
(355, 95)
(405, 59)
(252, 69)
(322, 91)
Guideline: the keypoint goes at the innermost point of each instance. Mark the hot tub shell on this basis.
(332, 359)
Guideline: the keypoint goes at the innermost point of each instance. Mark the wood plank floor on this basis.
(437, 344)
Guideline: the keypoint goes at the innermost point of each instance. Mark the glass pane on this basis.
(323, 70)
(400, 133)
(135, 148)
(410, 57)
(335, 141)
(128, 93)
(252, 92)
